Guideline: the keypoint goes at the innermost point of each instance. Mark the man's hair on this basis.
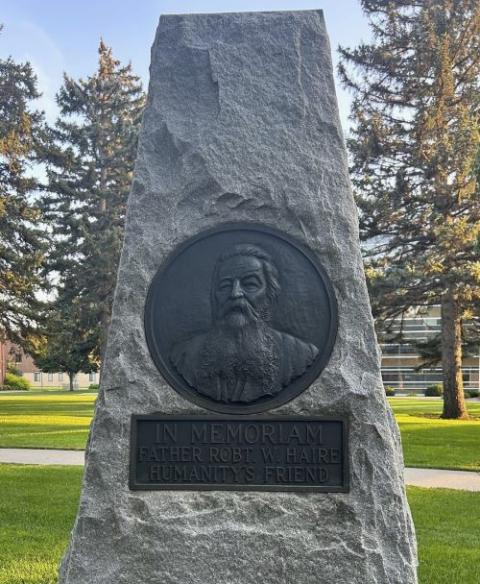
(250, 250)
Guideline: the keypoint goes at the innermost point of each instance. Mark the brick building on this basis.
(3, 361)
(39, 379)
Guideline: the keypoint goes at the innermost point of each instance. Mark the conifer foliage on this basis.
(22, 241)
(64, 342)
(89, 179)
(414, 147)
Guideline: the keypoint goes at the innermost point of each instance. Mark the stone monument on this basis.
(241, 433)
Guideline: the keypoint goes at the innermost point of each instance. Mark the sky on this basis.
(59, 36)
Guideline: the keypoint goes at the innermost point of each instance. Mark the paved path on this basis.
(445, 479)
(34, 456)
(418, 477)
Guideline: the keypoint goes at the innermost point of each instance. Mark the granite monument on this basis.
(241, 432)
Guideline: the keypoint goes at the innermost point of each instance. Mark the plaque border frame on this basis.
(287, 394)
(345, 488)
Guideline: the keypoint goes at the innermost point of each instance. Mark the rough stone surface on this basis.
(242, 125)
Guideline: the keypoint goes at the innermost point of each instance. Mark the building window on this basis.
(50, 377)
(36, 377)
(92, 377)
(18, 357)
(60, 377)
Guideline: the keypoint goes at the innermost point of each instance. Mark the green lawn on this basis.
(448, 533)
(38, 505)
(60, 419)
(52, 419)
(37, 511)
(428, 441)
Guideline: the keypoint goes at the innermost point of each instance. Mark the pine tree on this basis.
(64, 342)
(89, 180)
(414, 148)
(23, 135)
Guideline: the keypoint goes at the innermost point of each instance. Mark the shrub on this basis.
(16, 382)
(11, 368)
(389, 391)
(93, 386)
(472, 393)
(434, 390)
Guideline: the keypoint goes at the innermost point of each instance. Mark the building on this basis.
(399, 361)
(24, 363)
(3, 361)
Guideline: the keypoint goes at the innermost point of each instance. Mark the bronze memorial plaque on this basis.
(240, 319)
(287, 453)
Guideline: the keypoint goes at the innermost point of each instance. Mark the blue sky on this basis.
(57, 36)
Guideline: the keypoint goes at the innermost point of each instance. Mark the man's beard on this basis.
(240, 349)
(236, 314)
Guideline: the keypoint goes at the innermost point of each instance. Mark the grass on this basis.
(38, 505)
(427, 407)
(60, 419)
(46, 420)
(430, 442)
(448, 532)
(37, 511)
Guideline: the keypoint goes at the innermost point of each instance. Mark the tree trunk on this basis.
(104, 318)
(453, 397)
(71, 377)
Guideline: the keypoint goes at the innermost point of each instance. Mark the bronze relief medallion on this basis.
(241, 319)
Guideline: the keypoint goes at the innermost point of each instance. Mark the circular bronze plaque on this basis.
(240, 319)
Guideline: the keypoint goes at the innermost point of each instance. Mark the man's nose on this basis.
(237, 291)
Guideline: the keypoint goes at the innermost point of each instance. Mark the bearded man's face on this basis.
(241, 292)
(240, 351)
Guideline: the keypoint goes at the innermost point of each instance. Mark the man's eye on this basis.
(224, 286)
(251, 285)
